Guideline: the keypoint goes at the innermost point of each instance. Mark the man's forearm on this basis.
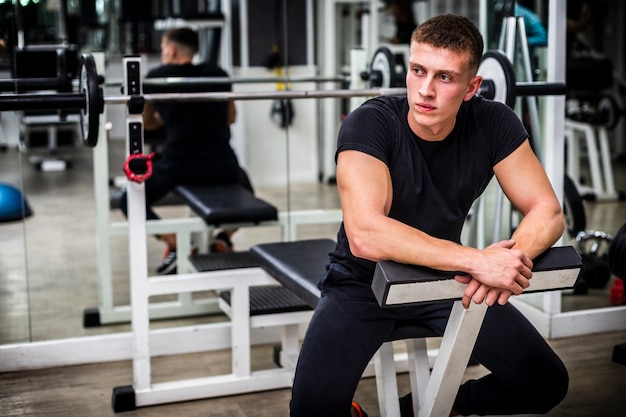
(539, 230)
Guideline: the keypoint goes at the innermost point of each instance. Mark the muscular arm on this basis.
(365, 191)
(526, 184)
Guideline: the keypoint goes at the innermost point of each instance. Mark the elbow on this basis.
(361, 247)
(559, 223)
(562, 224)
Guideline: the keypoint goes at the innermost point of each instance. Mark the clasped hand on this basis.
(501, 272)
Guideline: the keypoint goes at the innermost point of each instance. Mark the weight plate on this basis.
(607, 106)
(495, 66)
(382, 69)
(573, 208)
(90, 114)
(593, 243)
(617, 253)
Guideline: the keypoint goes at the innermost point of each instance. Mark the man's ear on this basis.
(473, 87)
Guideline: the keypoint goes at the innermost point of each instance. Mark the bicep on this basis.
(364, 185)
(524, 180)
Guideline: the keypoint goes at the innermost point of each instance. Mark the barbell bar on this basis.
(499, 81)
(496, 69)
(32, 84)
(90, 100)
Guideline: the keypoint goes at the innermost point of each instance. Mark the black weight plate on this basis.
(608, 106)
(573, 208)
(495, 66)
(384, 63)
(90, 114)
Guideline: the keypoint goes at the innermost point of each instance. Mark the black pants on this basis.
(348, 327)
(167, 174)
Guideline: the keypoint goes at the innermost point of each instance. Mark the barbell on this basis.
(90, 99)
(388, 70)
(497, 70)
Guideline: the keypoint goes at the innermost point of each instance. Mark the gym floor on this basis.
(48, 277)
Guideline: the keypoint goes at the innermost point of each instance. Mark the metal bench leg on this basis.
(419, 369)
(386, 384)
(454, 354)
(290, 348)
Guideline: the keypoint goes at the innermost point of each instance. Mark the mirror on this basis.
(52, 279)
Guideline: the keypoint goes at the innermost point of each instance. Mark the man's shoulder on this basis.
(479, 105)
(187, 70)
(161, 71)
(211, 70)
(387, 103)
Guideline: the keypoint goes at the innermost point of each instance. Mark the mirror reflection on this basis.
(66, 265)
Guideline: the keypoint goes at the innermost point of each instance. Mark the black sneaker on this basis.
(169, 263)
(221, 244)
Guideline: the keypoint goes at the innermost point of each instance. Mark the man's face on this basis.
(167, 51)
(438, 81)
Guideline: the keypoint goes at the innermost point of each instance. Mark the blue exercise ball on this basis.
(13, 206)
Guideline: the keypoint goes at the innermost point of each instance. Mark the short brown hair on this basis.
(185, 37)
(453, 32)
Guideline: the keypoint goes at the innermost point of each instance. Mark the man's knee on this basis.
(550, 389)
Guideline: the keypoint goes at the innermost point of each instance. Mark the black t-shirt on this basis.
(195, 130)
(434, 183)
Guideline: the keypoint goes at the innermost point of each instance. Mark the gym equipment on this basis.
(386, 69)
(596, 143)
(573, 208)
(298, 266)
(13, 205)
(90, 99)
(398, 284)
(499, 81)
(607, 107)
(231, 272)
(394, 284)
(497, 70)
(593, 245)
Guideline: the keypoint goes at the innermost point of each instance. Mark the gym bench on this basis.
(298, 266)
(229, 205)
(282, 292)
(234, 275)
(214, 206)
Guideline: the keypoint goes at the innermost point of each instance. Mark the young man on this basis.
(197, 149)
(408, 170)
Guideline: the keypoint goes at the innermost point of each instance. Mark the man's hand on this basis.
(502, 272)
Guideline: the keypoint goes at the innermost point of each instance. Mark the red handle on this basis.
(138, 176)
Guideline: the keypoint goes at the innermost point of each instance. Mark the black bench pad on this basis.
(266, 299)
(298, 265)
(227, 203)
(271, 299)
(222, 261)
